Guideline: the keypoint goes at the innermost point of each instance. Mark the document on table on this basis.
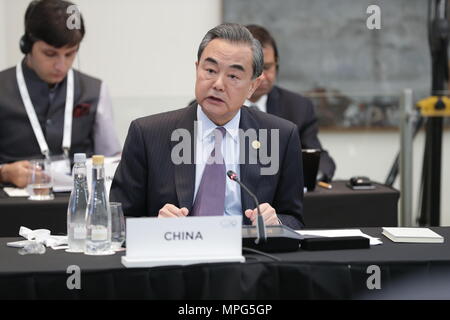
(16, 192)
(62, 182)
(340, 233)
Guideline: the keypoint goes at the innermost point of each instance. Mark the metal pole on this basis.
(406, 151)
(435, 177)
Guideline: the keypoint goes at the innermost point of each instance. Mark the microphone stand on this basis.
(438, 34)
(261, 235)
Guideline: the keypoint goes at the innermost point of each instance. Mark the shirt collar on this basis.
(232, 126)
(261, 103)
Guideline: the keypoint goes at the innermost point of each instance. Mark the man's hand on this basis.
(16, 173)
(268, 213)
(170, 211)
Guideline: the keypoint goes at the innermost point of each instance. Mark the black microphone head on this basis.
(232, 175)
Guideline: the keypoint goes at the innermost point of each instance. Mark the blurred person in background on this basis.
(286, 104)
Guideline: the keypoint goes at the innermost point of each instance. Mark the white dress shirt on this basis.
(261, 103)
(105, 137)
(230, 150)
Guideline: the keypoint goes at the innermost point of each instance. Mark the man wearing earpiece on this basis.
(47, 109)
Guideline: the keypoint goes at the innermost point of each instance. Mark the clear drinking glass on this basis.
(117, 225)
(40, 181)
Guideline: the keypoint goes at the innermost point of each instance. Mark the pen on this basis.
(325, 185)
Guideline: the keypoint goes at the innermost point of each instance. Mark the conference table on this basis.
(387, 271)
(339, 207)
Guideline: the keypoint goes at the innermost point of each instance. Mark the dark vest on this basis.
(17, 139)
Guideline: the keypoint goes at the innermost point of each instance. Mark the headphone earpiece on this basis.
(25, 44)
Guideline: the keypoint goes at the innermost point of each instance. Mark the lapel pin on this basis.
(256, 144)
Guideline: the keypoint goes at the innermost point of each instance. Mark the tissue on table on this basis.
(41, 236)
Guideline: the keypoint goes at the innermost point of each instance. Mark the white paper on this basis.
(61, 166)
(16, 192)
(62, 182)
(62, 179)
(340, 233)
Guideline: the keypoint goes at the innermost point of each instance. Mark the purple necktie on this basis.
(210, 199)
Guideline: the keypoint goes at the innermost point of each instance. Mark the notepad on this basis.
(412, 235)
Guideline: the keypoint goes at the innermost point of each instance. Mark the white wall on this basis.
(13, 28)
(2, 35)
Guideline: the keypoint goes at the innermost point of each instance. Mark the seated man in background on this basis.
(155, 178)
(46, 108)
(286, 104)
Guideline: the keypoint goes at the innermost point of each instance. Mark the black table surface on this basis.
(18, 211)
(342, 207)
(58, 260)
(335, 274)
(339, 207)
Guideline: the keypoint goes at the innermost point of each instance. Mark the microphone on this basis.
(276, 238)
(260, 225)
(281, 238)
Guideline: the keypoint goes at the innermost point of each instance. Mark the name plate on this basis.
(181, 241)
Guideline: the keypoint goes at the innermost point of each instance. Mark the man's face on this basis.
(51, 64)
(224, 79)
(269, 75)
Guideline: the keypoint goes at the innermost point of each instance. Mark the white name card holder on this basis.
(181, 241)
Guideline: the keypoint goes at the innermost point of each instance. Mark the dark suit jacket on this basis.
(146, 178)
(17, 139)
(300, 110)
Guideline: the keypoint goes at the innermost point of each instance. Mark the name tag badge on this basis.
(182, 241)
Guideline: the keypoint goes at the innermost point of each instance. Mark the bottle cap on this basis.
(79, 157)
(97, 160)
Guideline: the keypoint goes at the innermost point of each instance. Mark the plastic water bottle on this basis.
(98, 220)
(76, 212)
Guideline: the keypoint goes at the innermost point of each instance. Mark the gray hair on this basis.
(234, 32)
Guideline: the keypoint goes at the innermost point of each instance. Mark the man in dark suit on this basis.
(286, 104)
(157, 177)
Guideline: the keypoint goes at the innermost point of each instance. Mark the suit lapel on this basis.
(185, 172)
(250, 168)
